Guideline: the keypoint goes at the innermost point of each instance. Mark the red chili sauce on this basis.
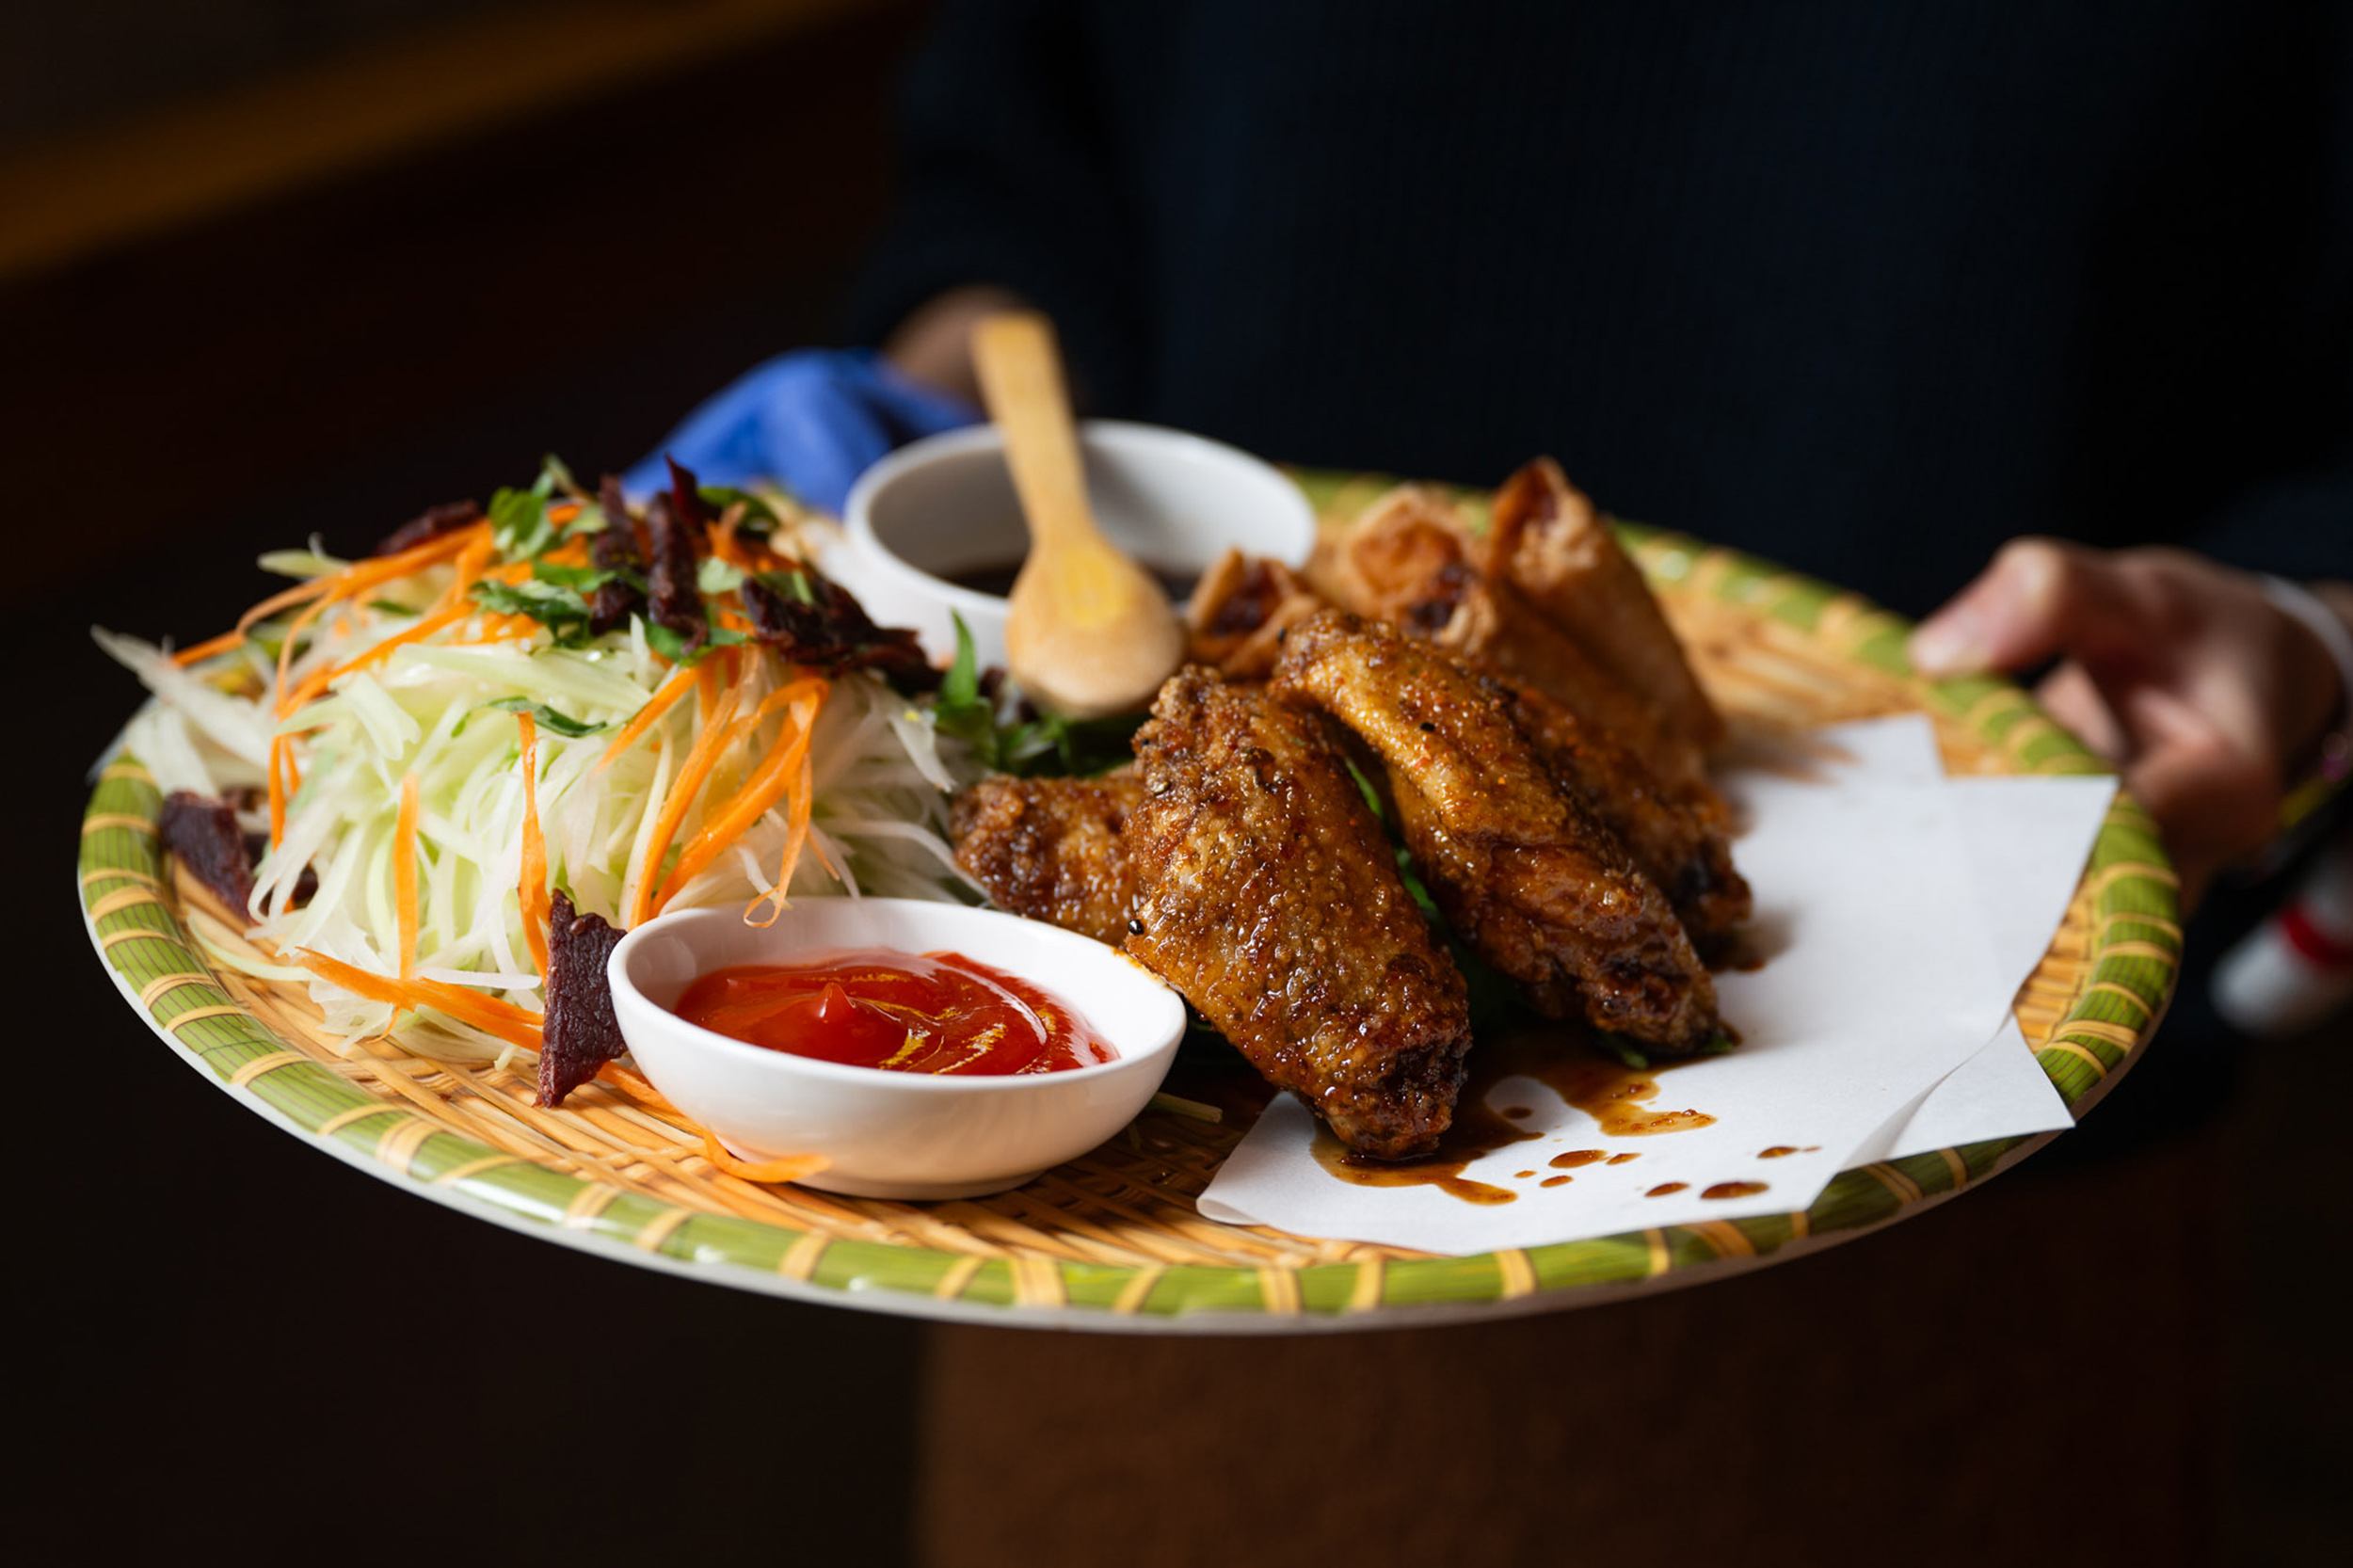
(874, 1007)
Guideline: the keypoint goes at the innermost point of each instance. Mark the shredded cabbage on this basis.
(443, 708)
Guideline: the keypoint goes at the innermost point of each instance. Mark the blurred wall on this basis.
(64, 67)
(261, 258)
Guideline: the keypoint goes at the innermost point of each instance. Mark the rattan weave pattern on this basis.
(1113, 1239)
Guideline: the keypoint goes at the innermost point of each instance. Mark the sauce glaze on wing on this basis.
(1523, 869)
(1408, 561)
(1051, 848)
(1269, 896)
(1678, 831)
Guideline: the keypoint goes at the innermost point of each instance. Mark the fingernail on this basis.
(1949, 644)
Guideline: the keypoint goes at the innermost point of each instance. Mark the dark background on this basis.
(232, 1328)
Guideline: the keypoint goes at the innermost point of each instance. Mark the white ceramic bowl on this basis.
(894, 1135)
(944, 506)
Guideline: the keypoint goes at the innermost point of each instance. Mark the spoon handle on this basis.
(1020, 375)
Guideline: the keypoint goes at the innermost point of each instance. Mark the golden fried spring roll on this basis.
(1239, 612)
(1550, 547)
(1409, 563)
(1396, 561)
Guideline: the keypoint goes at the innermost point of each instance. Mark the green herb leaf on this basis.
(673, 647)
(589, 519)
(553, 476)
(960, 688)
(1364, 788)
(580, 580)
(759, 519)
(547, 718)
(558, 608)
(715, 576)
(1493, 998)
(793, 584)
(1619, 1047)
(1048, 745)
(519, 523)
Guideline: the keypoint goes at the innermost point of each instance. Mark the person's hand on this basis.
(2204, 694)
(812, 421)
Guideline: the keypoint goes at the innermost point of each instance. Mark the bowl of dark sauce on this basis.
(935, 531)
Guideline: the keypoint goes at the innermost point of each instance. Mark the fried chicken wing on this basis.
(1526, 872)
(1269, 896)
(1051, 848)
(1677, 830)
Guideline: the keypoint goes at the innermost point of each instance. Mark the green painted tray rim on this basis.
(2133, 961)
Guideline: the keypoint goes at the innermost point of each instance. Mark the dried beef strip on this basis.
(670, 577)
(430, 525)
(579, 1034)
(204, 833)
(810, 620)
(616, 549)
(686, 497)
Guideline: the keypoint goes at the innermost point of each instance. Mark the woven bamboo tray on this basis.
(1111, 1241)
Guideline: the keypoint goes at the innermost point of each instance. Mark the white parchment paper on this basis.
(1898, 911)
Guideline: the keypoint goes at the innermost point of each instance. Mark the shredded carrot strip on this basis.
(318, 680)
(286, 650)
(279, 763)
(503, 1019)
(631, 1082)
(282, 599)
(729, 821)
(709, 684)
(349, 584)
(362, 575)
(722, 537)
(730, 545)
(533, 892)
(681, 682)
(507, 628)
(405, 875)
(471, 561)
(796, 834)
(700, 757)
(792, 1167)
(206, 648)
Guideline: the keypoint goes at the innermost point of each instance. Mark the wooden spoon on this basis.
(1088, 633)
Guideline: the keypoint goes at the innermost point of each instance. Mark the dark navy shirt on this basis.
(1866, 286)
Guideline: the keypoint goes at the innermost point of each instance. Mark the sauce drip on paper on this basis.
(1617, 1097)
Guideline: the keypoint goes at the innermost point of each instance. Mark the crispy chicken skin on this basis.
(1526, 871)
(1677, 831)
(1051, 848)
(1269, 896)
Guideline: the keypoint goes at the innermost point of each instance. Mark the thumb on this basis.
(2038, 597)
